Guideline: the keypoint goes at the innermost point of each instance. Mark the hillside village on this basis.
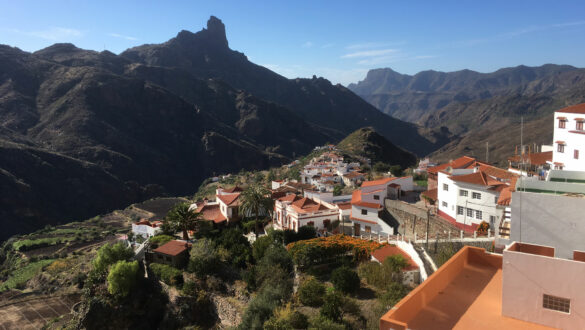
(316, 243)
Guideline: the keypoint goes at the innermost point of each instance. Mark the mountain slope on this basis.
(476, 107)
(206, 55)
(366, 142)
(155, 120)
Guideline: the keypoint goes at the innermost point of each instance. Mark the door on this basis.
(356, 229)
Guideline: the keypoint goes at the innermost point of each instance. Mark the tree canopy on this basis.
(122, 278)
(256, 202)
(183, 219)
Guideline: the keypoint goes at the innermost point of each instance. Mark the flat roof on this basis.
(465, 293)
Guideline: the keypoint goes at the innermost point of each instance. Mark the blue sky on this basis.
(339, 40)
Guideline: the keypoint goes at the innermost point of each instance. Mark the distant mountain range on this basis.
(85, 132)
(476, 108)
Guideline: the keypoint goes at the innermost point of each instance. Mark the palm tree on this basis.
(256, 201)
(183, 219)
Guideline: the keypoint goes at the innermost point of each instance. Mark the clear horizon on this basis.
(340, 41)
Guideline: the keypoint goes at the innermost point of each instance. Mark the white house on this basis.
(146, 228)
(368, 201)
(569, 138)
(293, 212)
(468, 197)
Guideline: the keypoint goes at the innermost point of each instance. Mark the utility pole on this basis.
(487, 152)
(428, 220)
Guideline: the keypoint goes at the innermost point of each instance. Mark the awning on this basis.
(560, 142)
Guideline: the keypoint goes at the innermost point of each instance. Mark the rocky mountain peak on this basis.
(217, 29)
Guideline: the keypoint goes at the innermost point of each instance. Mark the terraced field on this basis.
(34, 312)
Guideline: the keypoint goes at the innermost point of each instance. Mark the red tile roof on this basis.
(211, 213)
(538, 158)
(229, 199)
(356, 199)
(389, 250)
(478, 178)
(354, 174)
(578, 108)
(307, 205)
(233, 189)
(497, 172)
(173, 248)
(344, 205)
(377, 182)
(462, 162)
(289, 198)
(431, 194)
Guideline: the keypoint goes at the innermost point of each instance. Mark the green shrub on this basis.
(298, 320)
(189, 288)
(345, 280)
(311, 293)
(332, 306)
(323, 323)
(20, 276)
(382, 275)
(169, 275)
(203, 258)
(109, 254)
(260, 246)
(159, 240)
(122, 278)
(392, 295)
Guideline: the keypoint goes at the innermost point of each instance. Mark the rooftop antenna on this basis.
(487, 152)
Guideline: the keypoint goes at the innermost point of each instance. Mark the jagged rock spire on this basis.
(217, 29)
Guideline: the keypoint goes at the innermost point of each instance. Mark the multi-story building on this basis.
(293, 212)
(468, 197)
(528, 287)
(368, 201)
(569, 138)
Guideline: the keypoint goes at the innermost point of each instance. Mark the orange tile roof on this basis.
(389, 250)
(229, 199)
(478, 178)
(352, 175)
(461, 162)
(377, 182)
(289, 198)
(464, 293)
(344, 205)
(537, 158)
(497, 172)
(356, 199)
(173, 248)
(578, 108)
(233, 189)
(211, 213)
(432, 194)
(307, 205)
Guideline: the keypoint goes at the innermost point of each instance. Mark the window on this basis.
(562, 123)
(445, 204)
(377, 197)
(445, 187)
(463, 193)
(364, 212)
(576, 154)
(368, 229)
(496, 199)
(460, 210)
(470, 213)
(556, 303)
(476, 195)
(478, 215)
(579, 126)
(492, 220)
(310, 224)
(561, 148)
(326, 223)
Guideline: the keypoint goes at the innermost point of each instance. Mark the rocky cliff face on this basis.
(83, 132)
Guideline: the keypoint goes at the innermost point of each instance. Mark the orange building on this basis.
(525, 288)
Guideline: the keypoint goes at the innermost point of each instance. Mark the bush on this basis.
(345, 280)
(189, 288)
(260, 246)
(332, 306)
(167, 274)
(240, 251)
(159, 240)
(311, 293)
(323, 323)
(109, 254)
(382, 275)
(392, 295)
(122, 278)
(381, 167)
(203, 259)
